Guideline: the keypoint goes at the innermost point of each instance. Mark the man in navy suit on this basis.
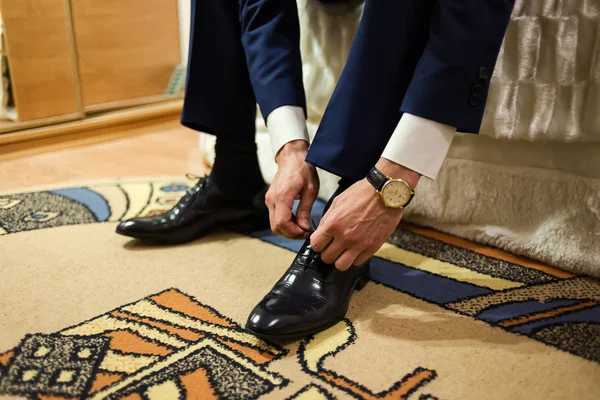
(418, 71)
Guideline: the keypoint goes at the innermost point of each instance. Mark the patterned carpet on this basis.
(89, 314)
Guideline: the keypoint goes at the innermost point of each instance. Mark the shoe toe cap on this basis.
(136, 227)
(277, 317)
(128, 227)
(125, 226)
(270, 318)
(263, 323)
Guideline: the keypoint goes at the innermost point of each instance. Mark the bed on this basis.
(530, 182)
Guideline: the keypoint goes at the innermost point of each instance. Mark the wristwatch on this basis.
(395, 193)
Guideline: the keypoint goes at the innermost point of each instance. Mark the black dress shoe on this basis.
(204, 209)
(310, 297)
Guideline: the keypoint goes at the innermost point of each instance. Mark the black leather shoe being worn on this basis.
(310, 297)
(204, 209)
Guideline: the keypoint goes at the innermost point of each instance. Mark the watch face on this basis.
(396, 194)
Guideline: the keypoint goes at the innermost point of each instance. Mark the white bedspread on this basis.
(530, 182)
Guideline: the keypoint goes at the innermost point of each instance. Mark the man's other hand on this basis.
(295, 179)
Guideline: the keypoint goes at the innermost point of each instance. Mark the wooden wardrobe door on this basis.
(126, 49)
(38, 44)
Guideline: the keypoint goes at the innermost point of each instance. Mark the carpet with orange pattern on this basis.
(86, 313)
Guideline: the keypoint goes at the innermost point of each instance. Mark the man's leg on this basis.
(361, 116)
(219, 100)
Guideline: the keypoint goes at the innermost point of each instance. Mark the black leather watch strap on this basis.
(377, 178)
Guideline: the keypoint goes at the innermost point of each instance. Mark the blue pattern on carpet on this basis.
(422, 284)
(507, 311)
(590, 315)
(90, 199)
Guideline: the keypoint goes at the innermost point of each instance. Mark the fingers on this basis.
(362, 258)
(281, 217)
(271, 206)
(283, 223)
(346, 259)
(320, 239)
(333, 250)
(307, 199)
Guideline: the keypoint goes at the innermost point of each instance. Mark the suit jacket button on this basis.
(483, 73)
(474, 100)
(477, 89)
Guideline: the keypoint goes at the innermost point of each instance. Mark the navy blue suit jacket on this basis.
(451, 79)
(271, 40)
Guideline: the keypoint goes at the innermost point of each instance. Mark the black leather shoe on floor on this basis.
(310, 297)
(204, 209)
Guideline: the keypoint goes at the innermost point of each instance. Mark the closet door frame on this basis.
(45, 87)
(127, 52)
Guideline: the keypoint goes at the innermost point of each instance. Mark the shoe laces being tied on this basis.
(311, 260)
(309, 257)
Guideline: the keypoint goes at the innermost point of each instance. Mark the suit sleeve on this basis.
(451, 80)
(271, 41)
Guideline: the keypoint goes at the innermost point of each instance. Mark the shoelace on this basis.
(308, 257)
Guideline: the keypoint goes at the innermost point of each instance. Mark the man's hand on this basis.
(358, 223)
(295, 179)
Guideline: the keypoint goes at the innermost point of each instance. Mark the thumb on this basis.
(307, 199)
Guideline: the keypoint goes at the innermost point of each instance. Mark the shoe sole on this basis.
(294, 336)
(358, 286)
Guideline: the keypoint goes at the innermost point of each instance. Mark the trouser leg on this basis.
(219, 98)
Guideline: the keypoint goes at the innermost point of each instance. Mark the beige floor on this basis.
(161, 149)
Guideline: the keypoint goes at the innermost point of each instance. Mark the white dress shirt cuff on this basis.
(420, 144)
(286, 124)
